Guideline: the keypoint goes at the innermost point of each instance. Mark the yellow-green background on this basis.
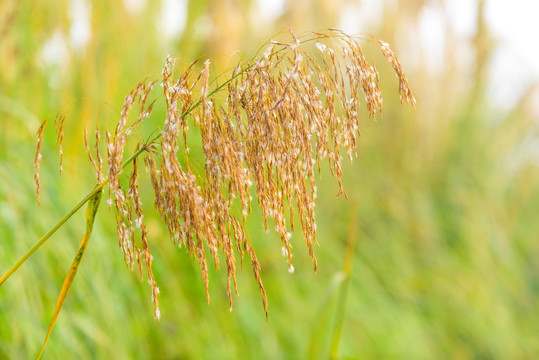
(443, 206)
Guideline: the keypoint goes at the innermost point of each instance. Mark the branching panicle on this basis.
(283, 113)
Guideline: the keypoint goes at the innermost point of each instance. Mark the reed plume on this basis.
(264, 130)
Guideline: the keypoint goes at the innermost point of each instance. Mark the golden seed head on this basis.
(282, 113)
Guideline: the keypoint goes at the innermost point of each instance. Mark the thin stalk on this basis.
(343, 293)
(49, 233)
(98, 188)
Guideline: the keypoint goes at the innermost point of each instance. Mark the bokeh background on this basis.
(442, 218)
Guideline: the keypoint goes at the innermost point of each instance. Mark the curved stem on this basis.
(98, 188)
(49, 233)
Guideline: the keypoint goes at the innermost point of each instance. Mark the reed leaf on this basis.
(91, 211)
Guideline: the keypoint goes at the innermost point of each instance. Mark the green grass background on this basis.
(443, 207)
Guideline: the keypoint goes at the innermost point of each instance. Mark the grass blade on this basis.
(91, 210)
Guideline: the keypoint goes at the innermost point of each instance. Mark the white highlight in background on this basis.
(80, 32)
(173, 17)
(270, 9)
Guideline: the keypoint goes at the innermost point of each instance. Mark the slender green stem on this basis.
(49, 233)
(343, 294)
(98, 188)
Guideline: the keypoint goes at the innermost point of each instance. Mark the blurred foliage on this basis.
(446, 199)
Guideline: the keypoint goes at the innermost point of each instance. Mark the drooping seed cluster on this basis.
(37, 160)
(97, 162)
(59, 124)
(263, 130)
(127, 205)
(404, 88)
